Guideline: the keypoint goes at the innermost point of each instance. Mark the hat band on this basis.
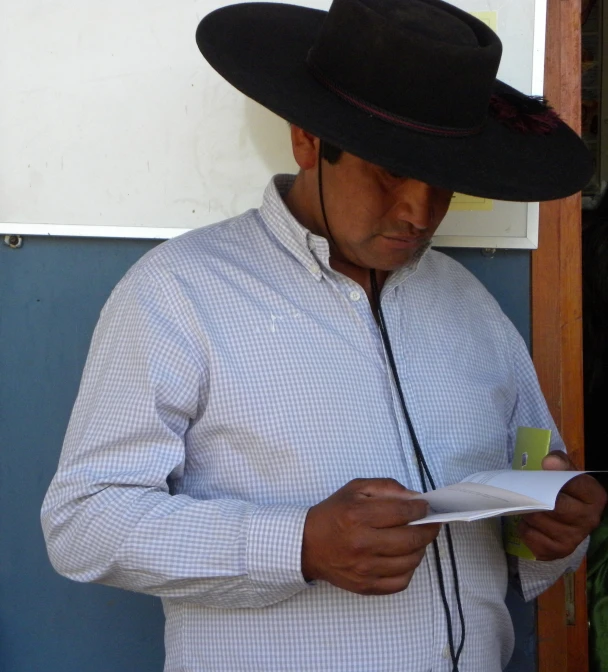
(390, 116)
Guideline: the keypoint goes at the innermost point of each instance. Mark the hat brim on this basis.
(261, 48)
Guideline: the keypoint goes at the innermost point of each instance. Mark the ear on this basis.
(305, 148)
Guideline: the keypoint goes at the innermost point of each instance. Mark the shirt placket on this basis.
(388, 303)
(356, 299)
(440, 654)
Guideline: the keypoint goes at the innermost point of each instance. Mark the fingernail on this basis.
(555, 461)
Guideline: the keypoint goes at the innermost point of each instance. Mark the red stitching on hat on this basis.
(388, 116)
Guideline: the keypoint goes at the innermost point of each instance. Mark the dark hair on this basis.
(330, 152)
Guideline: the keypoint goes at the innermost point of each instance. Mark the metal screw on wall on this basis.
(13, 241)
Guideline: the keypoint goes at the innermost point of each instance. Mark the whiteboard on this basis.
(112, 124)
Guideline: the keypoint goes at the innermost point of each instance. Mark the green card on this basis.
(531, 445)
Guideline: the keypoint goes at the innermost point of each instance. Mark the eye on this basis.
(395, 176)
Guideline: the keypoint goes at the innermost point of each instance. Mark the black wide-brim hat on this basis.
(409, 85)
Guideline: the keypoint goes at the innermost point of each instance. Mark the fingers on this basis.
(382, 567)
(571, 510)
(384, 503)
(388, 511)
(549, 539)
(382, 576)
(569, 514)
(558, 460)
(399, 541)
(585, 489)
(378, 487)
(542, 546)
(381, 502)
(359, 538)
(403, 544)
(389, 567)
(380, 586)
(553, 529)
(556, 534)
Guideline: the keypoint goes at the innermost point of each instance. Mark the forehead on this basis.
(360, 166)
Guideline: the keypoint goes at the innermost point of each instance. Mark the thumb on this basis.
(381, 487)
(557, 460)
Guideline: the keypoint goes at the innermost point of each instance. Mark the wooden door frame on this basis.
(557, 332)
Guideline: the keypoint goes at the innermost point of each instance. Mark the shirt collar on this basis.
(310, 250)
(306, 247)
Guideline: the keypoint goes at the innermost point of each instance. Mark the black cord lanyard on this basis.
(425, 473)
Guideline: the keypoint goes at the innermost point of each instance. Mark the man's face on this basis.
(378, 220)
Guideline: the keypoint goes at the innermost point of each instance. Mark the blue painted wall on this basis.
(51, 292)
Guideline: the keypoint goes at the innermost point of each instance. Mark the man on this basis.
(263, 396)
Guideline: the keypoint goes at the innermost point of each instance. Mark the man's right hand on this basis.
(358, 539)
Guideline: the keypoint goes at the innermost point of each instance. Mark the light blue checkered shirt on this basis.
(234, 380)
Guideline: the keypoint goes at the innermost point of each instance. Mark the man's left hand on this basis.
(578, 510)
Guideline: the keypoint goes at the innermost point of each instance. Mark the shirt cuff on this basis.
(536, 576)
(274, 551)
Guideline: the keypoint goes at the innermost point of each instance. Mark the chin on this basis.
(403, 260)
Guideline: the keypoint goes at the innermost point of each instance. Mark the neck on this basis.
(298, 201)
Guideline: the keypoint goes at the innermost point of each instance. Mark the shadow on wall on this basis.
(595, 352)
(263, 128)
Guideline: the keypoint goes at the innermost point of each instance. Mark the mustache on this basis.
(406, 235)
(404, 229)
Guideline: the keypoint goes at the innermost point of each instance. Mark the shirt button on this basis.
(354, 295)
(446, 651)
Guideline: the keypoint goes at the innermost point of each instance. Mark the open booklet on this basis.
(495, 493)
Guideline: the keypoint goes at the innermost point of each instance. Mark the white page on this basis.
(495, 493)
(470, 516)
(542, 486)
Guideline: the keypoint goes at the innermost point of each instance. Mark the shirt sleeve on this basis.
(535, 576)
(532, 577)
(109, 516)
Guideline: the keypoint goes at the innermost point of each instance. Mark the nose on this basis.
(415, 203)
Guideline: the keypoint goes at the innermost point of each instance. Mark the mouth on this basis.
(405, 242)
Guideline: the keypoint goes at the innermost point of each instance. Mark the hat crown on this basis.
(347, 76)
(422, 61)
(424, 19)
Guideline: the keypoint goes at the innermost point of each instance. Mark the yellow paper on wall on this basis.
(462, 202)
(489, 18)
